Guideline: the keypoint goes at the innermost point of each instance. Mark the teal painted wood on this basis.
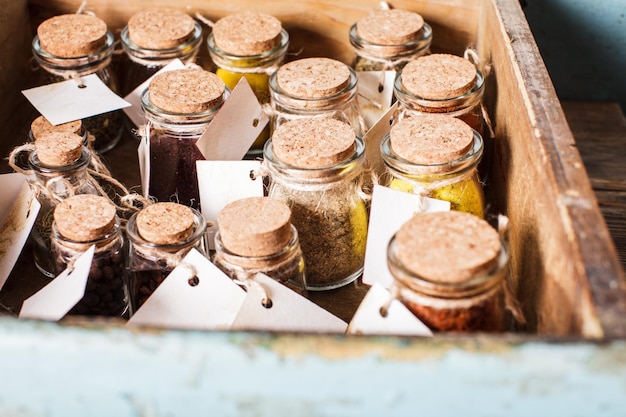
(65, 371)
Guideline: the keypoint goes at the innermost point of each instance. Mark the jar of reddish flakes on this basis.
(449, 269)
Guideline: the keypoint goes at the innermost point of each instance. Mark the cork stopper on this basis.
(247, 33)
(72, 35)
(85, 217)
(59, 148)
(390, 27)
(165, 223)
(160, 28)
(186, 91)
(41, 126)
(313, 143)
(439, 76)
(256, 226)
(448, 247)
(313, 77)
(431, 139)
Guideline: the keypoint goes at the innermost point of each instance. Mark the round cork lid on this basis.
(59, 148)
(439, 76)
(247, 33)
(313, 143)
(72, 35)
(160, 28)
(447, 247)
(186, 91)
(165, 223)
(256, 226)
(41, 126)
(390, 27)
(85, 217)
(431, 139)
(313, 77)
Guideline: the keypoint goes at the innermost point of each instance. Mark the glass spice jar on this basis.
(179, 105)
(160, 236)
(154, 38)
(387, 39)
(81, 221)
(58, 169)
(436, 156)
(256, 235)
(250, 45)
(73, 46)
(449, 269)
(315, 87)
(316, 167)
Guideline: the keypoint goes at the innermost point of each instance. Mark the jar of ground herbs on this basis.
(179, 105)
(154, 38)
(75, 45)
(255, 235)
(388, 39)
(250, 45)
(315, 165)
(160, 235)
(81, 221)
(449, 269)
(315, 87)
(436, 156)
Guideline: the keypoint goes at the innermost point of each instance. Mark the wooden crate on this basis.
(566, 272)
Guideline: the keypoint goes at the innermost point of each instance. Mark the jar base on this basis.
(337, 284)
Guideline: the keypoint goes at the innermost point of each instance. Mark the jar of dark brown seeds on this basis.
(73, 46)
(449, 269)
(80, 222)
(160, 235)
(255, 235)
(316, 167)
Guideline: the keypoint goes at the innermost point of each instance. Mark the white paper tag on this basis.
(54, 300)
(235, 127)
(398, 320)
(70, 100)
(221, 183)
(18, 212)
(373, 139)
(143, 155)
(375, 94)
(134, 112)
(288, 312)
(211, 304)
(390, 210)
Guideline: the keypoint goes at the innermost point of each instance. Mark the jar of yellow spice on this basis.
(250, 45)
(436, 156)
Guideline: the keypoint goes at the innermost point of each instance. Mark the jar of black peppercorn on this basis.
(256, 236)
(315, 87)
(154, 38)
(449, 269)
(80, 222)
(250, 45)
(179, 105)
(316, 167)
(72, 46)
(160, 235)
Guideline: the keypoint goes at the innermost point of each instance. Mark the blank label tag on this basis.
(373, 139)
(375, 94)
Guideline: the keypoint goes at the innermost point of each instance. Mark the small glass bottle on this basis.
(179, 105)
(387, 39)
(449, 269)
(256, 236)
(58, 165)
(316, 166)
(81, 221)
(76, 45)
(154, 38)
(160, 235)
(315, 87)
(250, 45)
(436, 156)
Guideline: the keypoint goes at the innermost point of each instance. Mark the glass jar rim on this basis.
(39, 167)
(184, 119)
(266, 259)
(262, 60)
(102, 242)
(384, 52)
(163, 55)
(81, 64)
